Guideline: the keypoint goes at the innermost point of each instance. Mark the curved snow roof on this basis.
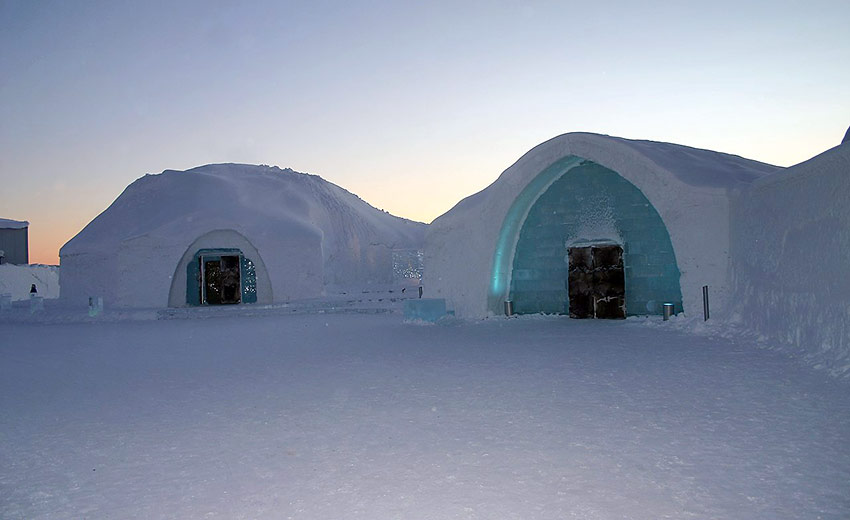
(176, 206)
(668, 162)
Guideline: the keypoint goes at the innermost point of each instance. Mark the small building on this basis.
(591, 226)
(14, 241)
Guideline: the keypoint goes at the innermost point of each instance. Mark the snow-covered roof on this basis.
(6, 223)
(695, 166)
(257, 200)
(664, 164)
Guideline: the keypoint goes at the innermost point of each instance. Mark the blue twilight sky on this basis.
(411, 105)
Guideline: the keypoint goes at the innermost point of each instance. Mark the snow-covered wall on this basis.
(791, 259)
(689, 188)
(18, 279)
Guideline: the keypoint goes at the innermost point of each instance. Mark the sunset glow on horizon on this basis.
(410, 106)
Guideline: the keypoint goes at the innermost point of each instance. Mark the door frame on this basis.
(205, 255)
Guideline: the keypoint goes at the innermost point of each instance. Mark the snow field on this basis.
(362, 416)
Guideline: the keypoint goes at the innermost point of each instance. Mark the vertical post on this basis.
(668, 311)
(202, 289)
(705, 302)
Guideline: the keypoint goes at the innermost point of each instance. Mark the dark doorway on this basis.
(597, 282)
(221, 280)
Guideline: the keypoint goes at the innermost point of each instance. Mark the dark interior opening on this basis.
(222, 284)
(597, 282)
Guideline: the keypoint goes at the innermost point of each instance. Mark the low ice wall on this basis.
(18, 279)
(790, 249)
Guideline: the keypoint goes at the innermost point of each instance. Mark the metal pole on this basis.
(203, 281)
(705, 302)
(668, 311)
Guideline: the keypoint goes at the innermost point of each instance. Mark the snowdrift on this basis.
(299, 232)
(791, 258)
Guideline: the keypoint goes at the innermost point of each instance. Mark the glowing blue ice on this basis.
(579, 200)
(503, 257)
(425, 309)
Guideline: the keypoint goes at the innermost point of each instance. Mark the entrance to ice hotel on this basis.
(597, 282)
(220, 280)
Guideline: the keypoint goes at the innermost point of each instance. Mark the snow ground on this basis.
(363, 416)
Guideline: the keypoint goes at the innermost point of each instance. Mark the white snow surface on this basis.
(6, 223)
(791, 259)
(362, 416)
(690, 188)
(308, 233)
(18, 279)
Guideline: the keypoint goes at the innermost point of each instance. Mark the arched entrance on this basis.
(220, 267)
(581, 209)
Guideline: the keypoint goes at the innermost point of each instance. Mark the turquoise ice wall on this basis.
(591, 203)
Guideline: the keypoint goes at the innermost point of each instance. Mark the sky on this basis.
(411, 105)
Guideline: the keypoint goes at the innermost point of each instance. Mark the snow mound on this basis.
(257, 196)
(307, 232)
(697, 167)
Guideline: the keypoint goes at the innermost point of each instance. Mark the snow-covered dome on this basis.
(665, 206)
(295, 233)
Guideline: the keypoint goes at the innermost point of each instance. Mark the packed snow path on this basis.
(362, 416)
